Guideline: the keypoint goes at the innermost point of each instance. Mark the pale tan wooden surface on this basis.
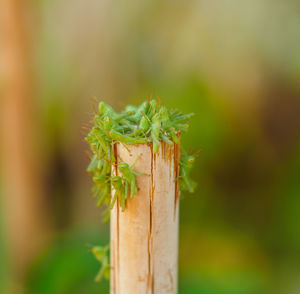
(144, 238)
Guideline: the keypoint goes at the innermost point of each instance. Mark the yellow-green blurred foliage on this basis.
(236, 64)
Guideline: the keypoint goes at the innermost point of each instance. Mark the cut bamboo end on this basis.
(144, 238)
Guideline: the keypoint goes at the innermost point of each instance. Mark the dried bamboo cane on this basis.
(24, 211)
(144, 238)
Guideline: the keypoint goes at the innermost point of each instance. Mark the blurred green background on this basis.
(235, 64)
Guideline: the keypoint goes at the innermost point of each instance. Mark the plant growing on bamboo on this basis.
(151, 123)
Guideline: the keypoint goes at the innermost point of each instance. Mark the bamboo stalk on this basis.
(24, 213)
(144, 238)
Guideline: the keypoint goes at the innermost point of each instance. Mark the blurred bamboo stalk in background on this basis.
(144, 238)
(24, 213)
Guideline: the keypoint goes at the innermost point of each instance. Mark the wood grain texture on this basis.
(144, 238)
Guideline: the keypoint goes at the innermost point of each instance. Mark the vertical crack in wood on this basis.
(150, 284)
(163, 148)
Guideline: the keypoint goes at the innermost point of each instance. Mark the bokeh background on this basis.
(235, 64)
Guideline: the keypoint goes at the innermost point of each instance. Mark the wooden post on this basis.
(144, 238)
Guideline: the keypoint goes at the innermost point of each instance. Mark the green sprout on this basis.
(149, 122)
(101, 254)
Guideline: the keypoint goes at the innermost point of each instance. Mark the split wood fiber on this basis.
(144, 238)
